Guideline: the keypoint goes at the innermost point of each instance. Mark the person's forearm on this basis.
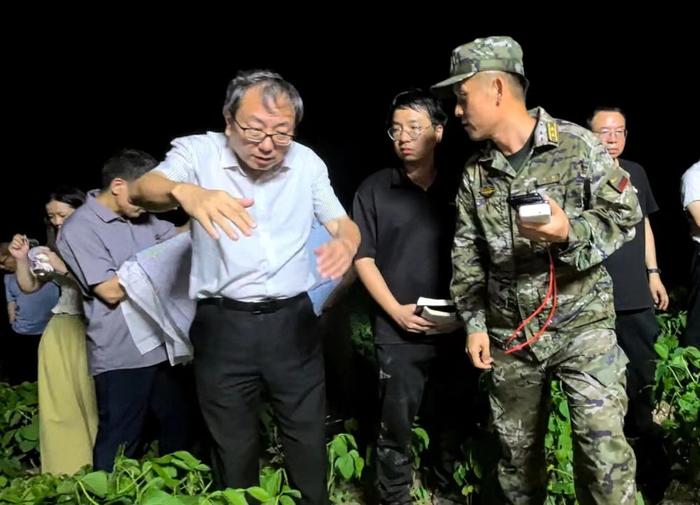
(346, 230)
(110, 291)
(154, 192)
(26, 280)
(375, 284)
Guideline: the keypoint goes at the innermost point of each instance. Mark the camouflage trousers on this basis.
(592, 372)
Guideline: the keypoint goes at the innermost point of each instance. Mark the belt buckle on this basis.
(265, 306)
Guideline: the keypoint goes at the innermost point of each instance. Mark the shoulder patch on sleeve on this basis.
(619, 180)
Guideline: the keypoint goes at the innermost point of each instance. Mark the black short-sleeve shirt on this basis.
(408, 232)
(626, 265)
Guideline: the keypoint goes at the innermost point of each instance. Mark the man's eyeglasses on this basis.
(608, 133)
(413, 132)
(257, 135)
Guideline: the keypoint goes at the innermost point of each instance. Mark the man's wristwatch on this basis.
(654, 270)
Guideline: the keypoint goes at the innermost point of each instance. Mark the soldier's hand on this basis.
(557, 230)
(658, 291)
(215, 207)
(405, 316)
(479, 350)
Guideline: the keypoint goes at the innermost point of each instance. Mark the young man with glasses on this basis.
(637, 290)
(255, 323)
(406, 217)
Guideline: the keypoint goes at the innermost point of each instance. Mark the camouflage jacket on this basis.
(500, 277)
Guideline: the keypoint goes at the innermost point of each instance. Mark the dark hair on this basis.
(604, 108)
(272, 84)
(421, 101)
(128, 164)
(69, 195)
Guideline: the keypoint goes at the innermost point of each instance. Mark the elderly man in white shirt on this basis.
(690, 196)
(253, 193)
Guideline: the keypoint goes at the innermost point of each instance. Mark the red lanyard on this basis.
(551, 293)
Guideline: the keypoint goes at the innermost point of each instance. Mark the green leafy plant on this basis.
(19, 429)
(147, 482)
(678, 389)
(361, 335)
(672, 324)
(558, 450)
(274, 488)
(480, 457)
(420, 441)
(270, 436)
(344, 464)
(173, 479)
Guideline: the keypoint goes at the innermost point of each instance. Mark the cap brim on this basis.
(443, 89)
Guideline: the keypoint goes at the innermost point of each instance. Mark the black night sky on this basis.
(77, 91)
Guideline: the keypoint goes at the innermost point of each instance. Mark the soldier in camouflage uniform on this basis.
(502, 271)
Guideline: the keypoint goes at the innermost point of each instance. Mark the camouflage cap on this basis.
(490, 53)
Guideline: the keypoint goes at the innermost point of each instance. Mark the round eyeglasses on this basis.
(413, 132)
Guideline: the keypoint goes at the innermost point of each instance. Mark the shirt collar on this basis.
(105, 214)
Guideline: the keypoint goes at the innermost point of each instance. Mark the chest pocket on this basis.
(494, 218)
(491, 199)
(571, 193)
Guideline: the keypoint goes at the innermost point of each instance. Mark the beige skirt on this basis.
(67, 405)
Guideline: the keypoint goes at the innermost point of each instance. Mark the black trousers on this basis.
(127, 399)
(439, 377)
(237, 354)
(692, 332)
(637, 331)
(334, 331)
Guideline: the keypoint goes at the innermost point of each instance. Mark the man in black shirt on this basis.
(637, 290)
(406, 217)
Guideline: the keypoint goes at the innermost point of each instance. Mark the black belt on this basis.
(262, 307)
